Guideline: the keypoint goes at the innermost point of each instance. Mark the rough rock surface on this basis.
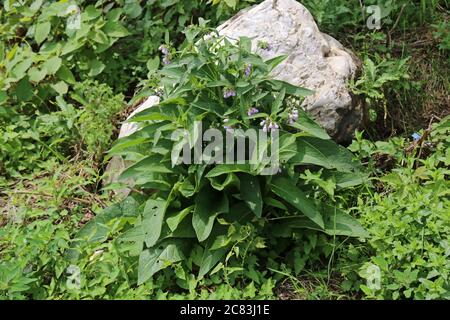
(117, 165)
(315, 60)
(131, 127)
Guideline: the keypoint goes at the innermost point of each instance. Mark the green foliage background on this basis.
(64, 92)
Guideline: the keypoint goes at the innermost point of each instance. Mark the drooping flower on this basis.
(269, 125)
(229, 129)
(252, 111)
(159, 92)
(228, 92)
(248, 70)
(166, 54)
(166, 60)
(292, 116)
(164, 49)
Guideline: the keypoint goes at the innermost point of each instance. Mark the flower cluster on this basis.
(292, 116)
(159, 92)
(166, 54)
(248, 70)
(252, 111)
(227, 92)
(269, 125)
(264, 45)
(229, 129)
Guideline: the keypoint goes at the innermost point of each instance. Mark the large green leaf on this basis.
(174, 219)
(278, 85)
(42, 31)
(224, 181)
(227, 168)
(288, 147)
(346, 179)
(97, 230)
(209, 106)
(157, 112)
(52, 65)
(274, 62)
(155, 259)
(208, 205)
(251, 193)
(150, 164)
(338, 222)
(324, 153)
(153, 220)
(20, 69)
(115, 29)
(278, 101)
(306, 124)
(209, 260)
(287, 190)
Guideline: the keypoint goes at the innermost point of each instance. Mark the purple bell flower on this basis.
(229, 93)
(248, 70)
(252, 111)
(292, 116)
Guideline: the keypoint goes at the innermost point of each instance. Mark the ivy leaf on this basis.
(153, 64)
(36, 74)
(96, 67)
(251, 193)
(19, 71)
(115, 30)
(287, 190)
(24, 90)
(65, 74)
(42, 31)
(60, 87)
(52, 65)
(208, 205)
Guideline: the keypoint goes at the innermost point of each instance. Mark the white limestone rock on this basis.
(315, 60)
(117, 164)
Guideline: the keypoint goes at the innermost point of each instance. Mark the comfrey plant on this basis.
(195, 215)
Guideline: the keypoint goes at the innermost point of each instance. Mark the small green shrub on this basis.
(409, 219)
(210, 218)
(442, 34)
(96, 121)
(378, 81)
